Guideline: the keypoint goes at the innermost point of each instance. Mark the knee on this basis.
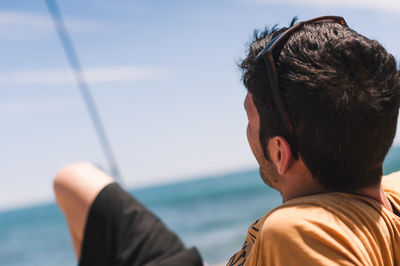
(67, 181)
(63, 176)
(78, 183)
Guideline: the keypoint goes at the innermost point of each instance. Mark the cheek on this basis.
(248, 133)
(254, 142)
(253, 134)
(251, 137)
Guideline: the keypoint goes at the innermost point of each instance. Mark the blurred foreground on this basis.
(212, 214)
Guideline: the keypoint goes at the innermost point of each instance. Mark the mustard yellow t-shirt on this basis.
(327, 229)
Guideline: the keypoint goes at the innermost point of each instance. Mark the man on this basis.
(322, 105)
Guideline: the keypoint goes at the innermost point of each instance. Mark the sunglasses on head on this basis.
(270, 55)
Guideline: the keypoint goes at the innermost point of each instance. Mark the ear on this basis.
(280, 153)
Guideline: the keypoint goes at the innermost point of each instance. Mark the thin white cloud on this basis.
(31, 108)
(386, 5)
(17, 25)
(93, 75)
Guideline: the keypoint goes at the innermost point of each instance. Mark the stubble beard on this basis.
(269, 174)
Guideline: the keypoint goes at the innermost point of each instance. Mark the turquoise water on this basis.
(212, 214)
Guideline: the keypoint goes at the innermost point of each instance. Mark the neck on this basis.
(299, 184)
(376, 192)
(304, 185)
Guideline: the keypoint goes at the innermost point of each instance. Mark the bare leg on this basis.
(76, 186)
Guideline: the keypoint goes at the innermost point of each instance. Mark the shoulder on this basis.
(294, 219)
(323, 215)
(300, 227)
(392, 182)
(304, 233)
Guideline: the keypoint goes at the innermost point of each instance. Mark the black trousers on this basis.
(120, 231)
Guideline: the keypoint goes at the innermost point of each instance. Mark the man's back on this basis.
(327, 229)
(322, 106)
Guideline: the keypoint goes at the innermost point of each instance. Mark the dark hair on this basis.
(341, 91)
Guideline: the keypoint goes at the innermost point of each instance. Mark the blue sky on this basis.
(163, 75)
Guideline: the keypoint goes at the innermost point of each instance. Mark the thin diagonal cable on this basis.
(83, 86)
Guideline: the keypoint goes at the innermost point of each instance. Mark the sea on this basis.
(211, 213)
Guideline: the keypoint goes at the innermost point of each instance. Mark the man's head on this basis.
(341, 91)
